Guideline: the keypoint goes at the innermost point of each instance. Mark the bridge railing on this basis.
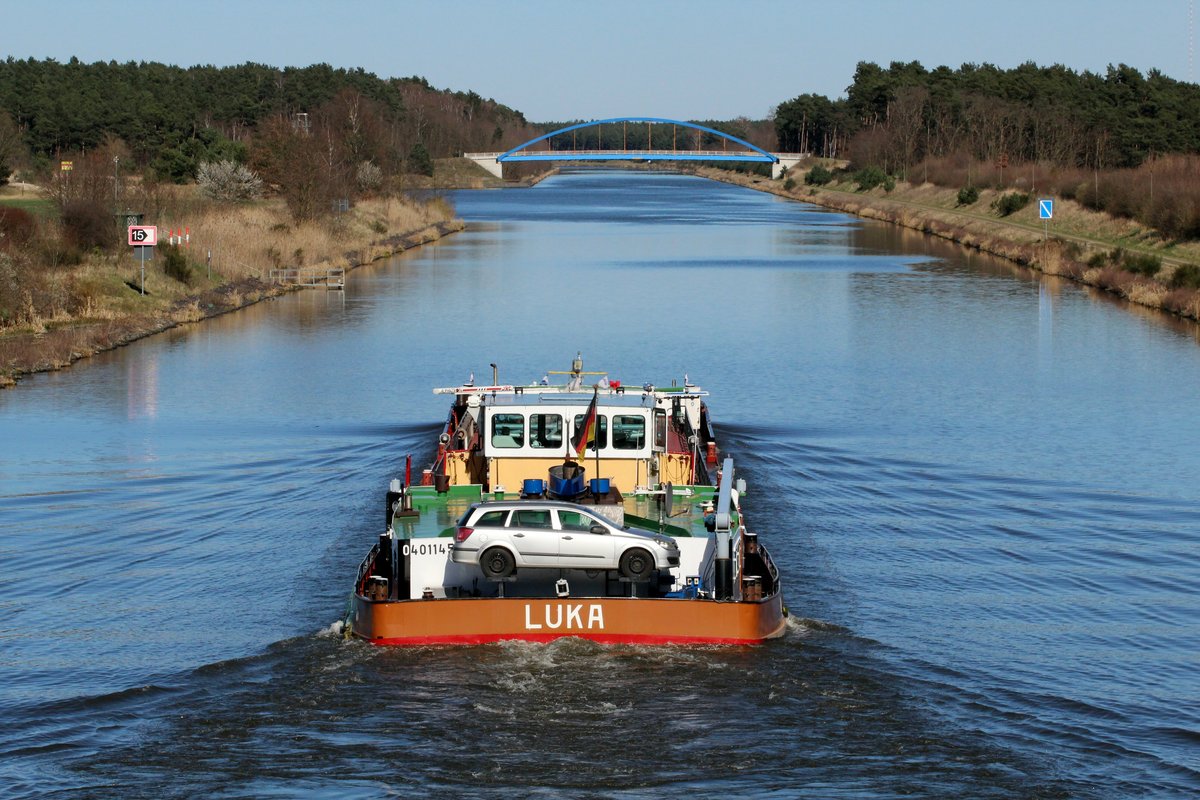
(643, 151)
(705, 153)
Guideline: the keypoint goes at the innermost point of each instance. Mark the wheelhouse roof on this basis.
(628, 400)
(505, 390)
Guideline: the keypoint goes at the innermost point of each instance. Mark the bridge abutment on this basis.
(488, 161)
(785, 162)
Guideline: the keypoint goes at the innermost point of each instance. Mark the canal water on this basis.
(983, 490)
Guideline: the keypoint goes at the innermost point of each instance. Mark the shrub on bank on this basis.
(14, 299)
(1010, 203)
(1142, 264)
(175, 264)
(868, 178)
(818, 176)
(1136, 263)
(89, 224)
(17, 226)
(968, 195)
(1186, 276)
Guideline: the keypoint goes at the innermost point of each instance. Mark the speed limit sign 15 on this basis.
(146, 235)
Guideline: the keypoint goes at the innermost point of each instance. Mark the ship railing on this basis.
(772, 570)
(736, 552)
(364, 569)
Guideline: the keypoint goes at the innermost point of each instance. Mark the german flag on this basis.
(586, 434)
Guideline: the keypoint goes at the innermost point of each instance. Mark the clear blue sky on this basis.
(602, 58)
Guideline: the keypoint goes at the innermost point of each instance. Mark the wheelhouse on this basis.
(500, 436)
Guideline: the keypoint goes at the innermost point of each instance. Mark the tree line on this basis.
(906, 112)
(1099, 138)
(170, 119)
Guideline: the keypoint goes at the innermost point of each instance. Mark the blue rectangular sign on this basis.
(1045, 209)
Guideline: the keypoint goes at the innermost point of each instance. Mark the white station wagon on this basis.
(501, 536)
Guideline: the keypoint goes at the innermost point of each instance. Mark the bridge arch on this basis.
(762, 155)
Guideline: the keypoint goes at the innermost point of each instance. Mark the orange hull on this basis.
(611, 620)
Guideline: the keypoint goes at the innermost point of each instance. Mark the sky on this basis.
(569, 60)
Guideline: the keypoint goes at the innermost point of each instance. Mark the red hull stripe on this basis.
(602, 638)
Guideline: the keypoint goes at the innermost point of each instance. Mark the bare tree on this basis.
(11, 145)
(906, 121)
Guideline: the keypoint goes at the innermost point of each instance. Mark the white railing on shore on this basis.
(331, 278)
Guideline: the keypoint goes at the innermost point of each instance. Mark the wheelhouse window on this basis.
(545, 430)
(660, 429)
(601, 429)
(629, 432)
(508, 430)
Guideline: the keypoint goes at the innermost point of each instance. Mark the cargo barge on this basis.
(603, 512)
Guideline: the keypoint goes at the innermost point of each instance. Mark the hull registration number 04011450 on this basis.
(426, 549)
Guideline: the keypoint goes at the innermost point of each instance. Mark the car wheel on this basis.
(497, 563)
(636, 563)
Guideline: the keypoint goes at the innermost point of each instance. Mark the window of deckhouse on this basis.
(601, 429)
(545, 430)
(508, 430)
(629, 432)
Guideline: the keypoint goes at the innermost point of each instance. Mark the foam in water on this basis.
(336, 628)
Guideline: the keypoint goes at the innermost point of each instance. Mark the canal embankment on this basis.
(105, 301)
(1119, 256)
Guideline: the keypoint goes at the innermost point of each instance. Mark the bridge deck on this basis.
(629, 155)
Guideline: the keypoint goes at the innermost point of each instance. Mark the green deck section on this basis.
(438, 514)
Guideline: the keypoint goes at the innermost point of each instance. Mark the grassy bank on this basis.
(56, 312)
(1120, 256)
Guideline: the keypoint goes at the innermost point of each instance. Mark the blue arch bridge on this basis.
(686, 145)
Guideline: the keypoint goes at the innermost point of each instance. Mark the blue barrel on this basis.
(533, 487)
(599, 486)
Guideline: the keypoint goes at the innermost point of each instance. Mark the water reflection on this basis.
(141, 387)
(1045, 324)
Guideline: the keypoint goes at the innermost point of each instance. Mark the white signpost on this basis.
(142, 237)
(1045, 214)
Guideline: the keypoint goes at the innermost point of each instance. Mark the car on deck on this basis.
(503, 536)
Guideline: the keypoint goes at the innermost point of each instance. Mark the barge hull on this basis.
(650, 621)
